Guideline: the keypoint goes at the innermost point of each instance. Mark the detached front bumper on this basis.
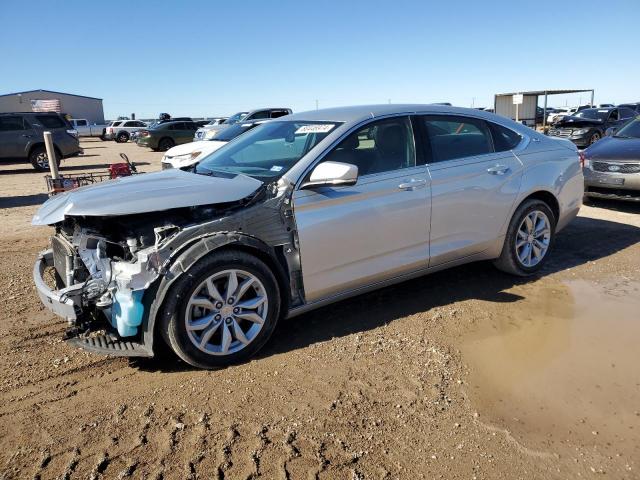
(67, 303)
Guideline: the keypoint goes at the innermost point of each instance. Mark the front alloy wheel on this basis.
(222, 310)
(226, 312)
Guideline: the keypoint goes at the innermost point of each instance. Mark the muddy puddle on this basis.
(561, 368)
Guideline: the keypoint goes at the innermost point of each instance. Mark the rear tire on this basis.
(123, 137)
(165, 144)
(40, 160)
(529, 239)
(202, 309)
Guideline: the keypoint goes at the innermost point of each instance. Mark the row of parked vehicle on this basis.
(585, 125)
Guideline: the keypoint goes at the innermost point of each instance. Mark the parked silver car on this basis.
(295, 214)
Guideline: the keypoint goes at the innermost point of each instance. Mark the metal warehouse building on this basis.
(77, 106)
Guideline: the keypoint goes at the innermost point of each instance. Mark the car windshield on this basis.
(630, 130)
(593, 114)
(233, 119)
(267, 151)
(233, 131)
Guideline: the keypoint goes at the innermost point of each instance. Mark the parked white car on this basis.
(86, 129)
(121, 130)
(188, 154)
(560, 114)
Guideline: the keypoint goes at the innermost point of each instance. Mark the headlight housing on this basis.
(209, 134)
(186, 157)
(580, 131)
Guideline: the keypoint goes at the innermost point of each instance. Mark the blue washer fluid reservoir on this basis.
(126, 311)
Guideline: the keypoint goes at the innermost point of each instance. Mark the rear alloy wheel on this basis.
(222, 311)
(40, 160)
(123, 137)
(165, 144)
(529, 239)
(594, 138)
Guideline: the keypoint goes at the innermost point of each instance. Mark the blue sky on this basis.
(204, 58)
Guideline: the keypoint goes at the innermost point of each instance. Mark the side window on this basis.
(613, 116)
(81, 123)
(50, 121)
(626, 113)
(11, 123)
(177, 126)
(380, 146)
(452, 137)
(259, 115)
(278, 113)
(503, 138)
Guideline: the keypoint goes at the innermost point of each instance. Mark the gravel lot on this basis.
(465, 374)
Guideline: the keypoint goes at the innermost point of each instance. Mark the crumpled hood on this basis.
(149, 192)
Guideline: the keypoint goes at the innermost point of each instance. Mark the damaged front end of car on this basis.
(108, 275)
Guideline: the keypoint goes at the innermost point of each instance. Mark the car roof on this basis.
(354, 114)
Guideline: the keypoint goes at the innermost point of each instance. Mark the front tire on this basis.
(529, 239)
(222, 310)
(594, 138)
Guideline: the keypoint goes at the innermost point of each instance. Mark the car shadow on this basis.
(583, 241)
(23, 201)
(67, 168)
(616, 205)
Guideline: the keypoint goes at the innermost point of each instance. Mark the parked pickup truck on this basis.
(86, 129)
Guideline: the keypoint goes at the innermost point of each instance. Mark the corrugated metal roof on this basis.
(543, 92)
(49, 91)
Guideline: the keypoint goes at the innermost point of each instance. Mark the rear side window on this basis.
(11, 123)
(626, 113)
(116, 124)
(259, 115)
(278, 113)
(503, 138)
(452, 137)
(81, 123)
(177, 126)
(50, 121)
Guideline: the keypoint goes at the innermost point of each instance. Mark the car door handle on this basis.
(412, 184)
(498, 170)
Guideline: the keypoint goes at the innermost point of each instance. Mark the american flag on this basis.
(45, 105)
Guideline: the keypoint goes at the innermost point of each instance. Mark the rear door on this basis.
(375, 230)
(473, 184)
(16, 135)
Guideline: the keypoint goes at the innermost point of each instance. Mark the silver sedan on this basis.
(299, 213)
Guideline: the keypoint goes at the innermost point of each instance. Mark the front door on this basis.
(474, 182)
(375, 230)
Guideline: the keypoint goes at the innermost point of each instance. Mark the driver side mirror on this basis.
(332, 174)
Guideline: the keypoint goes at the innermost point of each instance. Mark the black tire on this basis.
(508, 261)
(122, 137)
(595, 136)
(39, 159)
(172, 315)
(165, 144)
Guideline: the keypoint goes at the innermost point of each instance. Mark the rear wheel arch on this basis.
(546, 197)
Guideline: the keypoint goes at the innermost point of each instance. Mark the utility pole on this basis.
(316, 104)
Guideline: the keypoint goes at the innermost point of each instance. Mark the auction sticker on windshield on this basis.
(319, 128)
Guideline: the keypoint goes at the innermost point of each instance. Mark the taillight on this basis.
(144, 133)
(583, 160)
(109, 130)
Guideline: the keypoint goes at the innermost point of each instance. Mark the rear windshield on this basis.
(50, 121)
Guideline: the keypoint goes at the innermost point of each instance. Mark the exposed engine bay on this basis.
(116, 270)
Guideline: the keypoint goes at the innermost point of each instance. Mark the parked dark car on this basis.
(612, 166)
(163, 136)
(22, 139)
(587, 126)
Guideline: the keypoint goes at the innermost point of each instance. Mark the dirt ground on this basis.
(464, 374)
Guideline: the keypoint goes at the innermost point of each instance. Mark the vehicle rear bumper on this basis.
(622, 186)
